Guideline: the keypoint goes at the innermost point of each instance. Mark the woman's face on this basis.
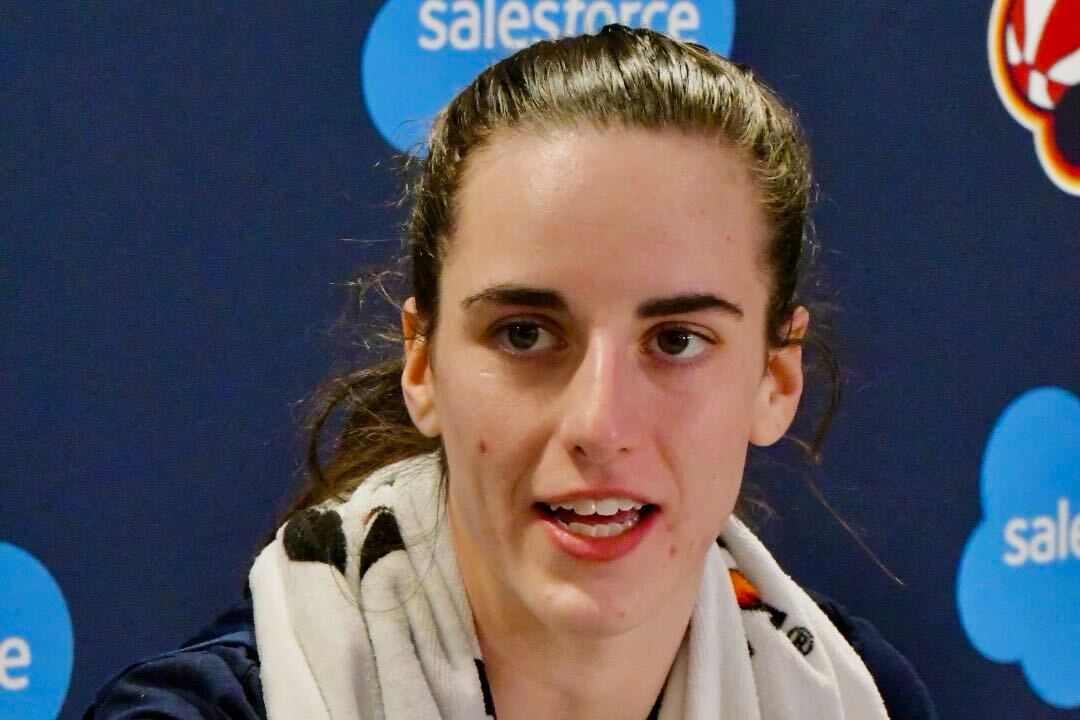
(601, 338)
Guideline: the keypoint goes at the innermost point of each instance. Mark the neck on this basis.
(538, 668)
(543, 675)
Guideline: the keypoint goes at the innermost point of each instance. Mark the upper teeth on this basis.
(605, 506)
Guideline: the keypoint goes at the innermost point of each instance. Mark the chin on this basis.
(594, 608)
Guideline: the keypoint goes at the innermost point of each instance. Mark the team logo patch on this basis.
(1018, 585)
(1034, 49)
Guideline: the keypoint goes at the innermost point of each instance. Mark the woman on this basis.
(533, 515)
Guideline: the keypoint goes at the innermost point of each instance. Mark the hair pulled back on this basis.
(620, 78)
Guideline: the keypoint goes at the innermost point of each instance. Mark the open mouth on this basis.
(602, 518)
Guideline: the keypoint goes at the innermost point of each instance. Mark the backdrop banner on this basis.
(188, 193)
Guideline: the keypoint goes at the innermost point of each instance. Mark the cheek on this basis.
(491, 446)
(706, 451)
(469, 413)
(484, 415)
(709, 434)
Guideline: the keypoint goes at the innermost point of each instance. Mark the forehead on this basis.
(626, 212)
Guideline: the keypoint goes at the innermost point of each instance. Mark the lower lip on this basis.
(598, 548)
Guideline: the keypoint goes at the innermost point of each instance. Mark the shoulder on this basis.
(904, 693)
(214, 675)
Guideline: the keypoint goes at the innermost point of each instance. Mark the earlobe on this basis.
(781, 386)
(417, 380)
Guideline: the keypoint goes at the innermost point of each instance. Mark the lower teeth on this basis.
(599, 529)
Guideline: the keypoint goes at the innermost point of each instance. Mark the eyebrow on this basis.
(680, 304)
(551, 300)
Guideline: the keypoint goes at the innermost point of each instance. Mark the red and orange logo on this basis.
(1034, 48)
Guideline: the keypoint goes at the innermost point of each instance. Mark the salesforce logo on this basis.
(35, 639)
(1018, 587)
(419, 53)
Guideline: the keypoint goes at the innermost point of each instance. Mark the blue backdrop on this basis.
(185, 192)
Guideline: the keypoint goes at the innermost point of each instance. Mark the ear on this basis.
(417, 379)
(781, 386)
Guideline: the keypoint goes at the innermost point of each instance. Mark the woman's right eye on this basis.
(525, 338)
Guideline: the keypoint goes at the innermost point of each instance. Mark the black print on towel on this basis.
(802, 639)
(485, 689)
(750, 600)
(316, 536)
(383, 537)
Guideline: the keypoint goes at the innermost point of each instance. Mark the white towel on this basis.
(360, 612)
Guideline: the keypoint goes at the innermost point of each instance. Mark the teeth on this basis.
(605, 506)
(599, 529)
(584, 507)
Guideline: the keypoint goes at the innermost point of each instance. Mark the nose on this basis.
(601, 415)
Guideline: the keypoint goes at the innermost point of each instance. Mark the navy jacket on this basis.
(216, 675)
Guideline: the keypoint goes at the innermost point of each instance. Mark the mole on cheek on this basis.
(481, 446)
(672, 551)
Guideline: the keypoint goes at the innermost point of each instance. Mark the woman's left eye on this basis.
(680, 343)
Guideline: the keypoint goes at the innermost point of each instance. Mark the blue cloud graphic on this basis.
(36, 642)
(418, 53)
(1018, 585)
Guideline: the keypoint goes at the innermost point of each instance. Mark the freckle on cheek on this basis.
(669, 527)
(672, 551)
